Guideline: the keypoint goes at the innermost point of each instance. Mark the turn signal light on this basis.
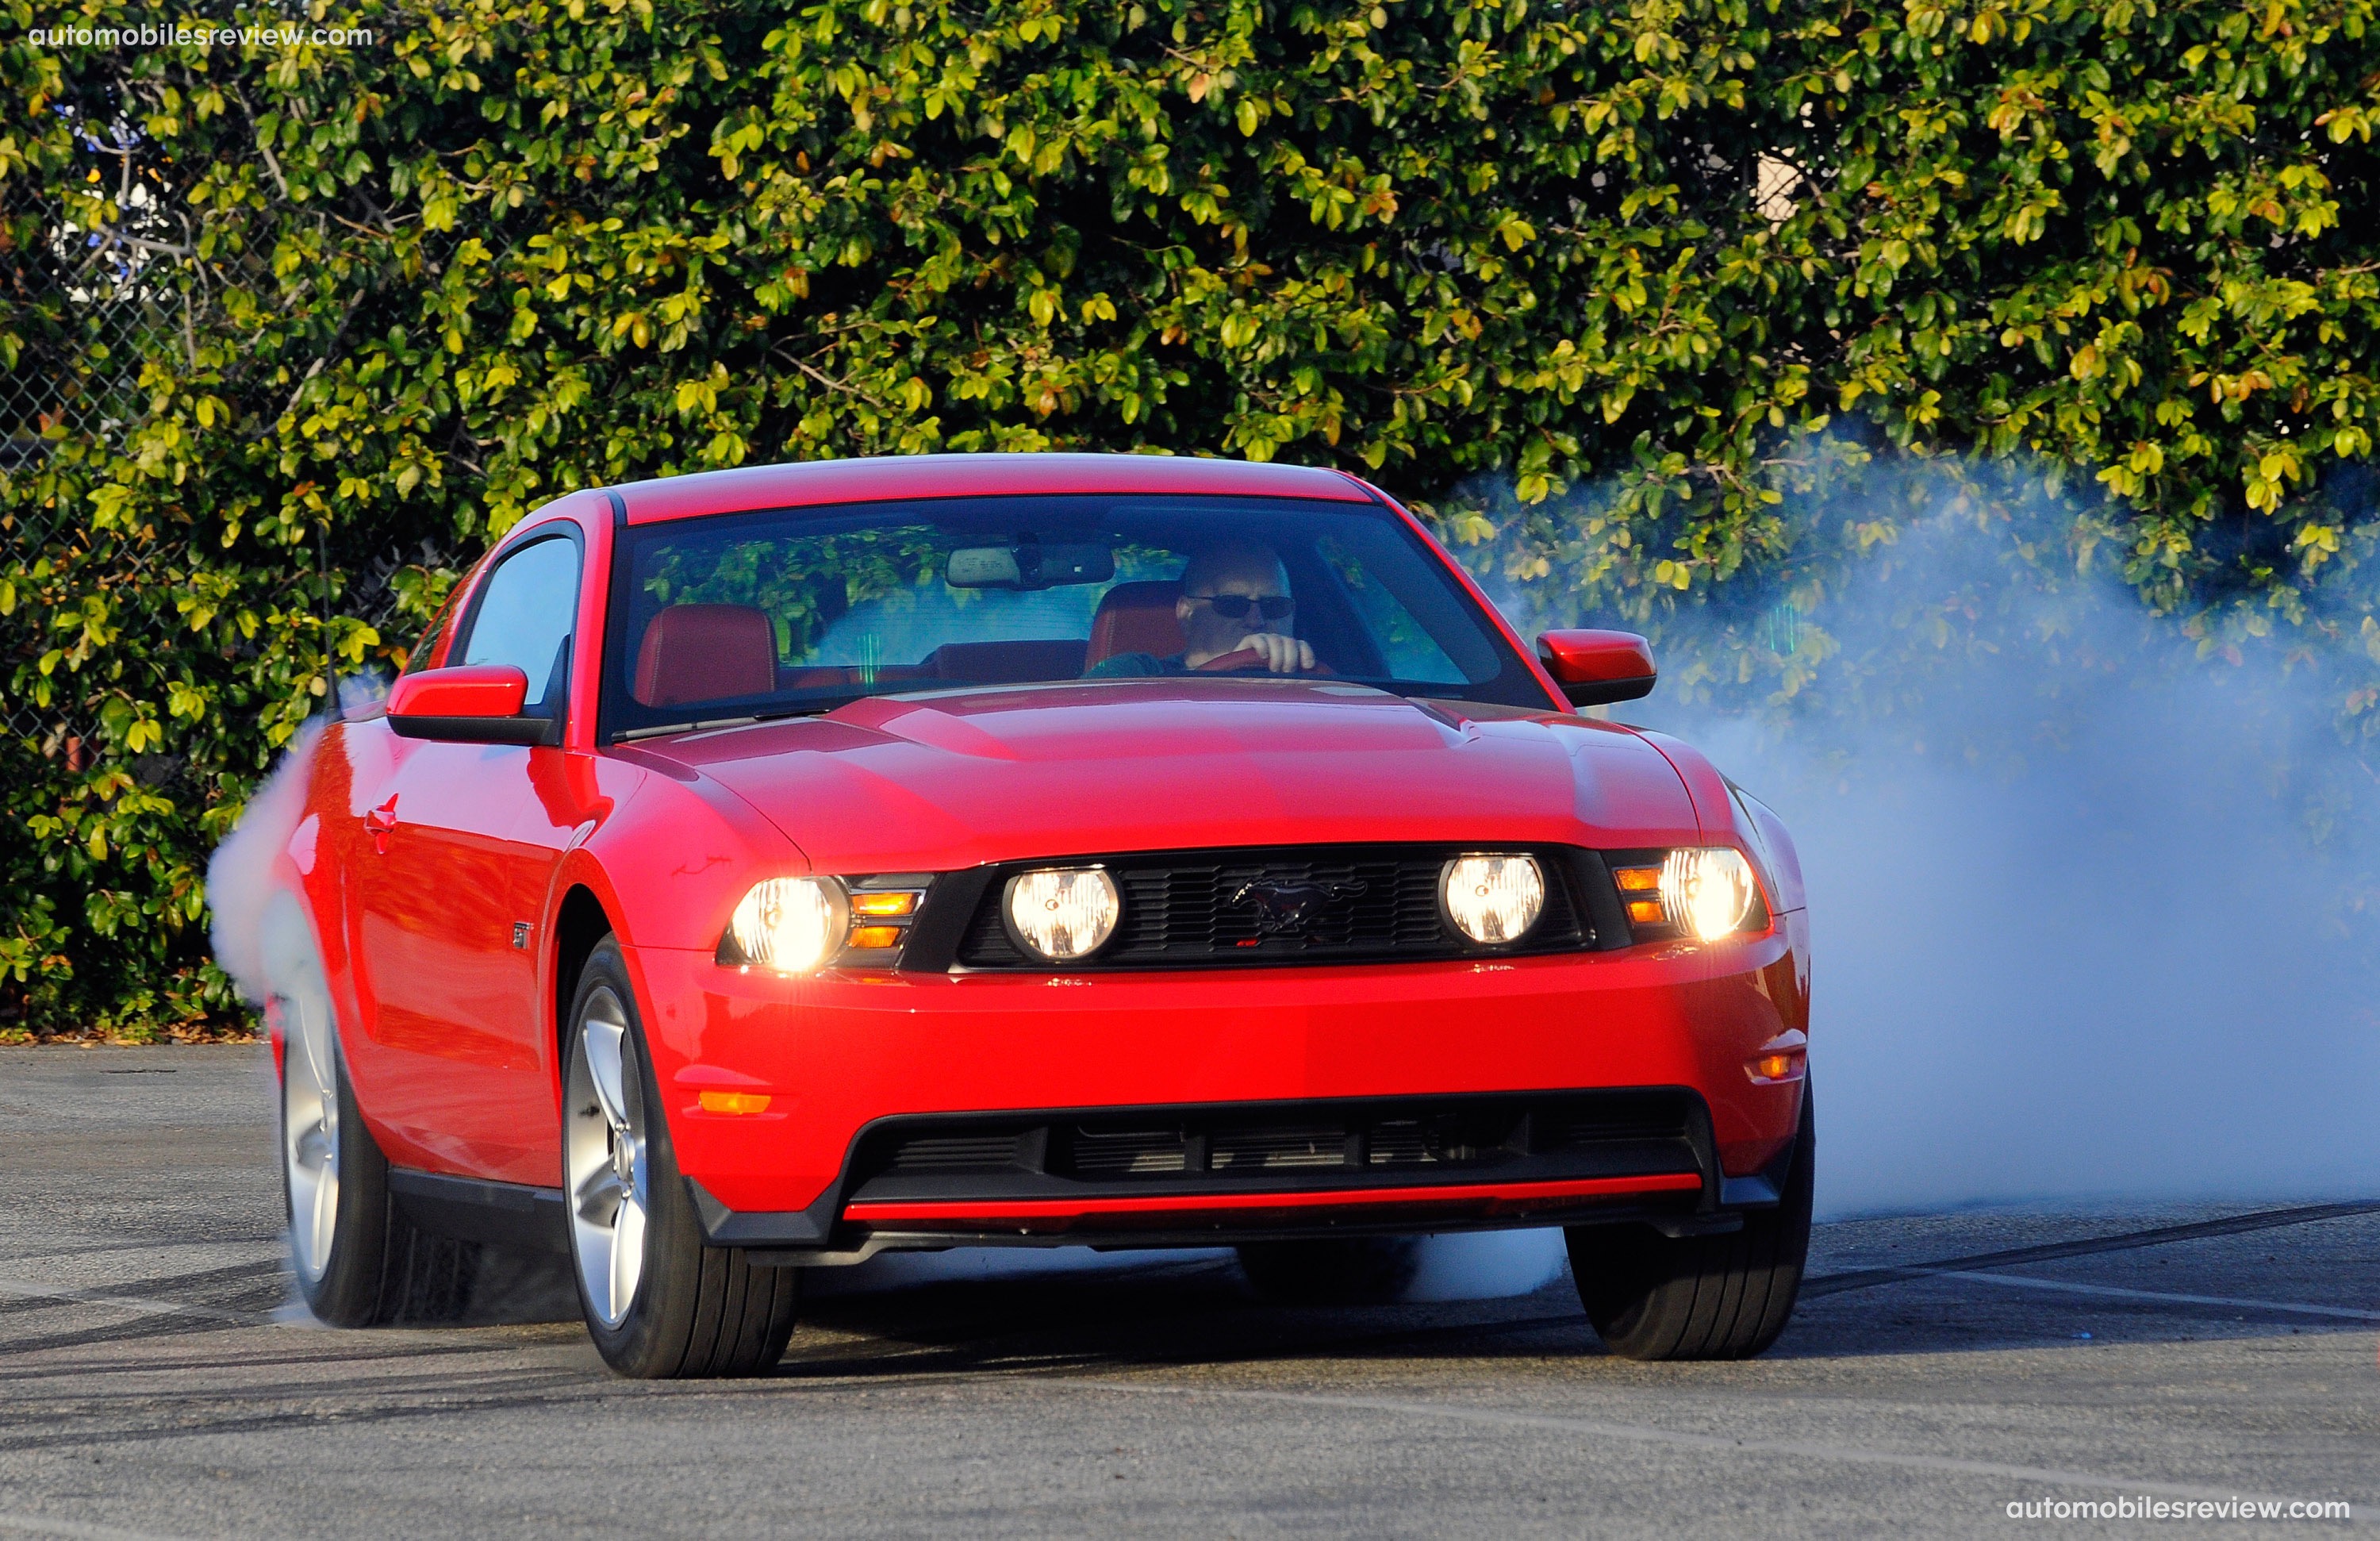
(734, 1102)
(1782, 1058)
(875, 936)
(874, 907)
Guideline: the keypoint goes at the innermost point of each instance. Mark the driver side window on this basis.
(526, 618)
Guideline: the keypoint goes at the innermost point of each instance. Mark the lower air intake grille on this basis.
(1127, 1152)
(955, 1153)
(1279, 1150)
(1272, 1145)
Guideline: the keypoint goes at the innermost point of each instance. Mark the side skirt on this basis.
(471, 1209)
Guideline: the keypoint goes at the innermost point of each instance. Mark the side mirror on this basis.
(1596, 668)
(475, 703)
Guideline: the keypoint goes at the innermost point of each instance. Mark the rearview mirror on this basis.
(1596, 668)
(1028, 565)
(473, 703)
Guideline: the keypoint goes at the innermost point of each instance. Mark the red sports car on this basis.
(760, 869)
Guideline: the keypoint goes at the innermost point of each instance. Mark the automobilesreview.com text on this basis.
(200, 36)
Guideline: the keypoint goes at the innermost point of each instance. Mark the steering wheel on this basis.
(1247, 660)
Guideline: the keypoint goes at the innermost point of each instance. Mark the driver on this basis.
(1235, 598)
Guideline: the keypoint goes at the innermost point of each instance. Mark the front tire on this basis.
(1651, 1296)
(359, 1261)
(660, 1301)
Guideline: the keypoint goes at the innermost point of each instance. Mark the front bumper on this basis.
(851, 1060)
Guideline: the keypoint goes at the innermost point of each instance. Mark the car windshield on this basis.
(754, 615)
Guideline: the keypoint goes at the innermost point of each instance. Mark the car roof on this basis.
(882, 478)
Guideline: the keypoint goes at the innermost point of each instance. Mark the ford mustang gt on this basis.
(758, 870)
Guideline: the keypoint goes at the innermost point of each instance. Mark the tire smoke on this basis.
(240, 874)
(2093, 915)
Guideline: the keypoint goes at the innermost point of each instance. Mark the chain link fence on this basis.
(86, 318)
(91, 311)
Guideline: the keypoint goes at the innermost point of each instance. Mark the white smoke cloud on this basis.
(240, 874)
(2083, 903)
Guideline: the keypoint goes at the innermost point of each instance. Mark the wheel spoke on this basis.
(605, 1066)
(316, 1148)
(628, 1251)
(325, 1218)
(313, 1036)
(599, 1199)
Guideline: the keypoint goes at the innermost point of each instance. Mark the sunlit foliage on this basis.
(1643, 265)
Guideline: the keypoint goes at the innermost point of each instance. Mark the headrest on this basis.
(1136, 618)
(706, 652)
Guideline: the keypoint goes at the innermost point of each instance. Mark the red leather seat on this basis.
(1136, 618)
(706, 652)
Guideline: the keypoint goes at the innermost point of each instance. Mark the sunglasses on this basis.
(1235, 607)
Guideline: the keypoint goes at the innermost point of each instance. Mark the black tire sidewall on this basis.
(650, 1340)
(1628, 1276)
(349, 1291)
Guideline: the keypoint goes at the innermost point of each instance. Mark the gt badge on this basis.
(520, 935)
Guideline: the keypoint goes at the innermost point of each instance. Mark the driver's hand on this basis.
(1281, 655)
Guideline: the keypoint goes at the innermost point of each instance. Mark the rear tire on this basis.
(1350, 1270)
(660, 1301)
(1651, 1296)
(359, 1261)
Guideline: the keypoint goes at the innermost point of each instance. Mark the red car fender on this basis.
(677, 856)
(1729, 817)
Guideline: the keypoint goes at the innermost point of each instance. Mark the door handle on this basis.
(381, 824)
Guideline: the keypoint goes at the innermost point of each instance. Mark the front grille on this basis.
(1508, 1136)
(1186, 909)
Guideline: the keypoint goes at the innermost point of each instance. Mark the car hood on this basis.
(950, 780)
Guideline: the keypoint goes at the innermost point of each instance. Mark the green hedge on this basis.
(1645, 269)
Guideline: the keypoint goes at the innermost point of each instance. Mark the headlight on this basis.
(1706, 891)
(791, 925)
(1062, 913)
(1492, 898)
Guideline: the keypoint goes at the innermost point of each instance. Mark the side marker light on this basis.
(1782, 1058)
(734, 1102)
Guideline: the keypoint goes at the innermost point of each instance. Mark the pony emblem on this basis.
(1285, 909)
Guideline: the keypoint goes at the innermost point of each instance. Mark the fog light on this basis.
(791, 925)
(1062, 913)
(1492, 898)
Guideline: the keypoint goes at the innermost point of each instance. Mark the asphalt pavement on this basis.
(157, 1380)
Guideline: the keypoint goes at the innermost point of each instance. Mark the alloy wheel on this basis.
(310, 1123)
(609, 1175)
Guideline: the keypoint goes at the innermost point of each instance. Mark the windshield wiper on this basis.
(707, 724)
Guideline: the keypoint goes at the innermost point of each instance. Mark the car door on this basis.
(451, 887)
